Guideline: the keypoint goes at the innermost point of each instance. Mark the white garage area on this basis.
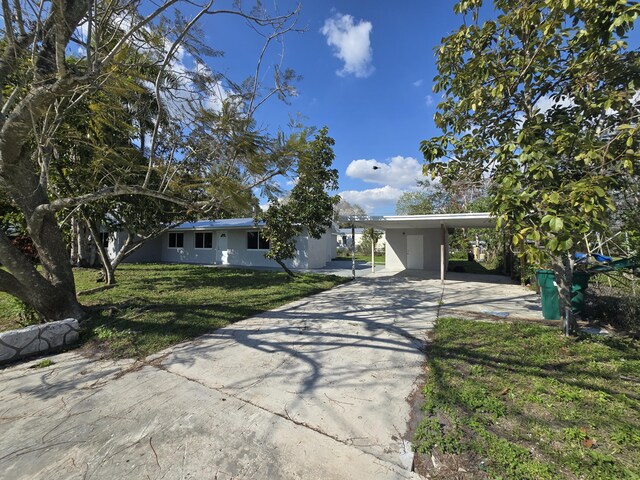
(421, 242)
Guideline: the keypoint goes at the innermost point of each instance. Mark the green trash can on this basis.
(548, 294)
(578, 286)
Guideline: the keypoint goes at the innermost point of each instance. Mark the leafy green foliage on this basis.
(309, 205)
(528, 403)
(47, 362)
(370, 236)
(414, 203)
(542, 100)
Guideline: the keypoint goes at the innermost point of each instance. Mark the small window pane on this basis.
(176, 240)
(263, 243)
(252, 240)
(104, 239)
(204, 240)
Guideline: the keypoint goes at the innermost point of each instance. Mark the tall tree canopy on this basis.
(309, 206)
(57, 59)
(543, 101)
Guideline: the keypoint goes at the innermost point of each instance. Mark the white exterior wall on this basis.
(240, 255)
(332, 242)
(396, 248)
(149, 252)
(310, 253)
(188, 253)
(321, 250)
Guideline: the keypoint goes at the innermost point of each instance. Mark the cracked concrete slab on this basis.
(487, 294)
(314, 389)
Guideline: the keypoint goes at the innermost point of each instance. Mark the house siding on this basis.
(396, 248)
(310, 253)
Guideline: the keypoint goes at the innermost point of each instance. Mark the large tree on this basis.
(309, 206)
(40, 84)
(542, 99)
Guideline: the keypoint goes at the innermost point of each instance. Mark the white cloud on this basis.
(351, 42)
(428, 100)
(545, 103)
(399, 172)
(418, 83)
(380, 201)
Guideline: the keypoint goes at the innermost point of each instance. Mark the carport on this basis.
(421, 242)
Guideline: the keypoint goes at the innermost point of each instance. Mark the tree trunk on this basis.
(53, 297)
(108, 272)
(51, 291)
(75, 254)
(563, 269)
(285, 268)
(82, 244)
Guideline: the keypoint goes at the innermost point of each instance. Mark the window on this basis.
(255, 241)
(104, 239)
(176, 240)
(204, 240)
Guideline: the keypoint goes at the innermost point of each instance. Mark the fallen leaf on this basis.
(505, 391)
(589, 443)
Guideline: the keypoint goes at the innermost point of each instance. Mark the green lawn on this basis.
(360, 257)
(157, 305)
(521, 401)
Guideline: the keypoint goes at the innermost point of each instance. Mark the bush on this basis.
(614, 299)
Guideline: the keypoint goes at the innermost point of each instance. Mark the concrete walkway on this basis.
(314, 390)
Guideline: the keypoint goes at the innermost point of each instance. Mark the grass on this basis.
(47, 362)
(521, 401)
(361, 257)
(158, 305)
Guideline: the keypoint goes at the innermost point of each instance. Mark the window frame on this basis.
(105, 238)
(259, 240)
(177, 235)
(204, 241)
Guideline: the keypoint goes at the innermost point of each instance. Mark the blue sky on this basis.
(378, 107)
(368, 69)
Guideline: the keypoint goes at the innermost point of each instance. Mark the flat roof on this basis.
(224, 224)
(449, 220)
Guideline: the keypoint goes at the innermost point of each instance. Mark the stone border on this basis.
(36, 339)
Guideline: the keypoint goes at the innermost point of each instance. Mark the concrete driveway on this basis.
(314, 390)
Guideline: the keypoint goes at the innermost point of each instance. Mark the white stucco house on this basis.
(234, 242)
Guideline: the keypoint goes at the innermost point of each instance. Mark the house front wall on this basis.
(396, 248)
(149, 252)
(321, 250)
(188, 253)
(230, 247)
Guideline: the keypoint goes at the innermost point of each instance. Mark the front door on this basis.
(221, 249)
(415, 252)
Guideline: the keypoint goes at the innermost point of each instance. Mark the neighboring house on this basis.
(344, 237)
(345, 234)
(234, 241)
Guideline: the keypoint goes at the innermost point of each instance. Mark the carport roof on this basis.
(449, 220)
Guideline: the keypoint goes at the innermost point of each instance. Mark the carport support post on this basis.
(442, 251)
(373, 255)
(353, 250)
